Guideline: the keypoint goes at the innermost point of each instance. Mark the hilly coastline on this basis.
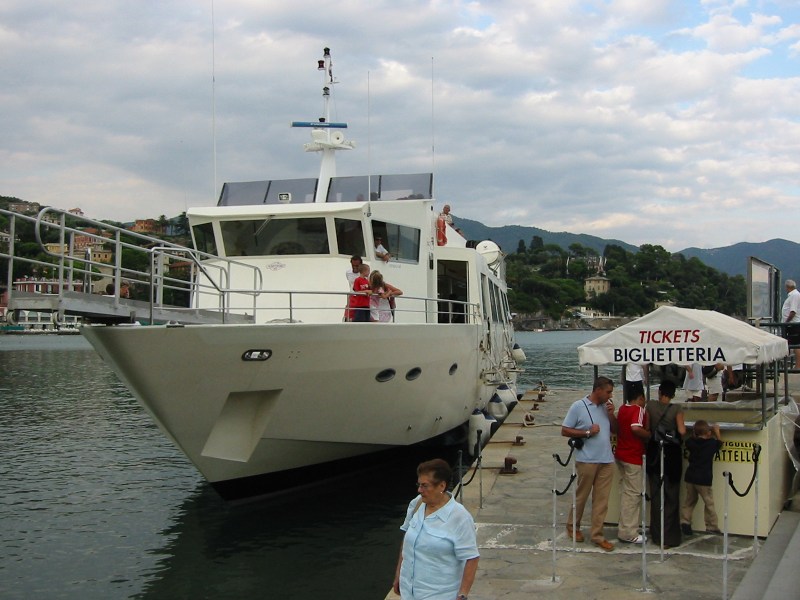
(783, 254)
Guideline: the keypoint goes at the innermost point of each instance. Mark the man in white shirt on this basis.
(791, 314)
(381, 252)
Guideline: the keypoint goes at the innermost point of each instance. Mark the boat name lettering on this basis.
(669, 336)
(256, 355)
(669, 355)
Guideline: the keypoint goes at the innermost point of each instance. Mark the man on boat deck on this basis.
(445, 215)
(592, 419)
(380, 251)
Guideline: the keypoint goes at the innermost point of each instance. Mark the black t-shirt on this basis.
(701, 460)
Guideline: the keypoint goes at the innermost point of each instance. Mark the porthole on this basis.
(453, 368)
(385, 375)
(413, 373)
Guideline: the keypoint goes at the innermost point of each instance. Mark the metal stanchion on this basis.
(644, 587)
(574, 509)
(725, 474)
(460, 497)
(480, 468)
(661, 495)
(755, 516)
(555, 467)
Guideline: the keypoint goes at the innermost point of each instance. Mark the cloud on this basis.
(651, 122)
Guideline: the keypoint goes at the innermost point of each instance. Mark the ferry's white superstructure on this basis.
(299, 388)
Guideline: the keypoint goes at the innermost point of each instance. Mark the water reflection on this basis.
(341, 538)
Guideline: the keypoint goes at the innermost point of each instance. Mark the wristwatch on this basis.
(461, 597)
(588, 433)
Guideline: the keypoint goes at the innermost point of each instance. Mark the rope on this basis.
(463, 483)
(566, 489)
(756, 453)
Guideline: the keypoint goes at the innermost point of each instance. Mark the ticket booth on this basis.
(747, 420)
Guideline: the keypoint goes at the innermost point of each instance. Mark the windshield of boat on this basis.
(260, 237)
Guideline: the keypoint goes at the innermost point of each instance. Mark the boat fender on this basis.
(518, 354)
(477, 422)
(508, 396)
(494, 425)
(497, 408)
(441, 232)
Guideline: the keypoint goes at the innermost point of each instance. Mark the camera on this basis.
(576, 443)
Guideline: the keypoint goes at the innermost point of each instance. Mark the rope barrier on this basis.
(729, 475)
(566, 489)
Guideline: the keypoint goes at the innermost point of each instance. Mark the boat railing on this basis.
(293, 305)
(110, 274)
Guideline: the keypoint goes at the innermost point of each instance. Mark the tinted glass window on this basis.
(350, 237)
(204, 238)
(400, 241)
(261, 237)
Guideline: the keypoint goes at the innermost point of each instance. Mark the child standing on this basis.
(702, 446)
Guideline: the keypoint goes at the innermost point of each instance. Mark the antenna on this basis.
(213, 102)
(369, 151)
(433, 139)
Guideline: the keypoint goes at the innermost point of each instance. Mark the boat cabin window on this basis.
(204, 238)
(402, 242)
(349, 237)
(285, 191)
(380, 187)
(261, 237)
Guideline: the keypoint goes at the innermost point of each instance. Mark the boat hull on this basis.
(245, 401)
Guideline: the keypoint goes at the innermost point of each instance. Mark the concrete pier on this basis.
(515, 529)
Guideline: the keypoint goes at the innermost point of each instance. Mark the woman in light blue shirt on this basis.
(439, 557)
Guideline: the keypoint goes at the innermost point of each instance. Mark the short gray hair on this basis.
(790, 283)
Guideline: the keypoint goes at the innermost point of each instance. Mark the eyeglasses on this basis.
(426, 486)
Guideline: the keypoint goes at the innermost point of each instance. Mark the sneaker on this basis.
(634, 540)
(686, 529)
(717, 531)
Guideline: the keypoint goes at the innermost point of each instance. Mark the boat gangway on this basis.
(103, 273)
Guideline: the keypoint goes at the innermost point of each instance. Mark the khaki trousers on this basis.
(690, 501)
(594, 478)
(630, 500)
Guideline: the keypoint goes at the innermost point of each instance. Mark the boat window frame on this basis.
(403, 242)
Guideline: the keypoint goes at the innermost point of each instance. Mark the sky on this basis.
(674, 123)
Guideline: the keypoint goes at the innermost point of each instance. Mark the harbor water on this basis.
(96, 502)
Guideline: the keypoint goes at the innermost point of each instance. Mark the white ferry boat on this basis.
(297, 392)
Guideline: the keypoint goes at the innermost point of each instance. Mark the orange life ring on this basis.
(441, 234)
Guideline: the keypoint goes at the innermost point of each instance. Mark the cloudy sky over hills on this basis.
(668, 122)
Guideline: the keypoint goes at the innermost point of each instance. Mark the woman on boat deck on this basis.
(380, 302)
(439, 557)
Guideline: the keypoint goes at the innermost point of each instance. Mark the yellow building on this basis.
(596, 285)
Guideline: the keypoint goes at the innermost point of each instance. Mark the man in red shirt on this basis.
(632, 435)
(359, 303)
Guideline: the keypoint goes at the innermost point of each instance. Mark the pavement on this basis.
(515, 528)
